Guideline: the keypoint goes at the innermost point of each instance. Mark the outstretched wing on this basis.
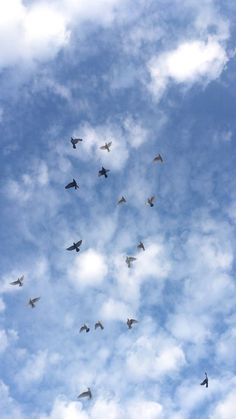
(34, 300)
(78, 243)
(103, 147)
(71, 247)
(132, 321)
(131, 258)
(70, 185)
(83, 328)
(14, 282)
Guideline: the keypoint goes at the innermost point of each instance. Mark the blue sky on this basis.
(152, 77)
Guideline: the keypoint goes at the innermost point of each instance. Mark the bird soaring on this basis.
(73, 184)
(130, 322)
(158, 158)
(121, 200)
(75, 246)
(75, 141)
(85, 394)
(141, 246)
(129, 259)
(84, 327)
(99, 324)
(32, 301)
(103, 172)
(150, 201)
(19, 281)
(106, 146)
(205, 381)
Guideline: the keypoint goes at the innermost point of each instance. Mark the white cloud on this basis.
(225, 409)
(144, 409)
(66, 410)
(115, 310)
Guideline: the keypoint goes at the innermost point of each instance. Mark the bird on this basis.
(85, 394)
(19, 281)
(98, 324)
(121, 200)
(158, 158)
(106, 146)
(75, 141)
(130, 322)
(32, 301)
(205, 381)
(103, 172)
(73, 184)
(129, 259)
(84, 327)
(150, 201)
(141, 246)
(75, 246)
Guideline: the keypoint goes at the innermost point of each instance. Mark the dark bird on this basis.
(32, 301)
(84, 327)
(150, 201)
(130, 322)
(103, 172)
(129, 259)
(205, 381)
(141, 246)
(158, 158)
(75, 246)
(106, 146)
(121, 200)
(85, 394)
(75, 141)
(18, 282)
(99, 324)
(72, 185)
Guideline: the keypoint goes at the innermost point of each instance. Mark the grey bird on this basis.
(85, 394)
(84, 327)
(106, 146)
(130, 322)
(19, 281)
(103, 172)
(75, 141)
(150, 201)
(75, 246)
(73, 184)
(32, 301)
(205, 381)
(129, 259)
(158, 158)
(141, 246)
(99, 324)
(121, 200)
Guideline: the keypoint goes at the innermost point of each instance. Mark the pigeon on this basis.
(18, 282)
(130, 322)
(85, 394)
(121, 200)
(150, 201)
(103, 172)
(158, 158)
(75, 141)
(141, 246)
(205, 381)
(72, 185)
(32, 301)
(84, 327)
(129, 259)
(75, 246)
(106, 146)
(99, 324)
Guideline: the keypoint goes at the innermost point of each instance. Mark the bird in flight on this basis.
(19, 281)
(129, 259)
(73, 184)
(121, 200)
(141, 246)
(85, 394)
(32, 301)
(75, 141)
(130, 322)
(150, 201)
(158, 158)
(99, 324)
(84, 327)
(106, 146)
(103, 172)
(75, 246)
(205, 381)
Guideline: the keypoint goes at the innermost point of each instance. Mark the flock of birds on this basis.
(76, 246)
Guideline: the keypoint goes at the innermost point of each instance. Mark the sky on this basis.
(153, 76)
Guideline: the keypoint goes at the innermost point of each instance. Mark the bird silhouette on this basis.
(32, 301)
(99, 324)
(141, 246)
(19, 281)
(75, 141)
(130, 322)
(129, 259)
(205, 381)
(73, 184)
(121, 200)
(106, 146)
(84, 327)
(103, 172)
(75, 246)
(85, 394)
(158, 158)
(150, 201)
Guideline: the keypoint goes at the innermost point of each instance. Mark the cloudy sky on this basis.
(153, 76)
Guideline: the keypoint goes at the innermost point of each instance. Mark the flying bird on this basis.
(73, 184)
(205, 381)
(141, 246)
(19, 281)
(121, 200)
(32, 301)
(84, 327)
(158, 158)
(85, 394)
(130, 322)
(99, 324)
(75, 141)
(75, 246)
(106, 146)
(129, 259)
(150, 201)
(103, 172)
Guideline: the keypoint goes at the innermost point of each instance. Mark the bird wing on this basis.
(103, 147)
(79, 243)
(70, 185)
(84, 394)
(71, 247)
(152, 199)
(203, 382)
(21, 278)
(83, 328)
(14, 282)
(133, 321)
(131, 258)
(109, 144)
(35, 299)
